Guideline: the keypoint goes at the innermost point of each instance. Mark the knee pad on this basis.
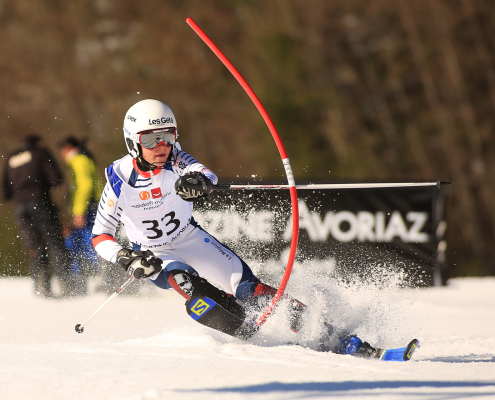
(182, 282)
(162, 280)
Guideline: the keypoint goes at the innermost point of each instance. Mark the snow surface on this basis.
(146, 347)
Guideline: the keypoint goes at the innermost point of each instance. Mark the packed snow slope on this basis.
(146, 347)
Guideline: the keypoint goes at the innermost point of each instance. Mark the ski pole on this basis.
(80, 327)
(333, 186)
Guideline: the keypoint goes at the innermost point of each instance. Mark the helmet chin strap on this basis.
(146, 166)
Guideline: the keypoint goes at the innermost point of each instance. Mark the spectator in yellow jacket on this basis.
(85, 191)
(86, 185)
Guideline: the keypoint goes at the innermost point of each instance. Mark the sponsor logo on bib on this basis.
(144, 195)
(156, 193)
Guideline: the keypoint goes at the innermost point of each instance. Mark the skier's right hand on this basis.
(193, 186)
(141, 264)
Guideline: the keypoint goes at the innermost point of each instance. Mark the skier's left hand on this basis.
(193, 186)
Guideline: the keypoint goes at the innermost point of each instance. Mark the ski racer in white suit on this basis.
(144, 190)
(150, 191)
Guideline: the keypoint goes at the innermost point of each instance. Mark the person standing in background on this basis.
(29, 175)
(85, 187)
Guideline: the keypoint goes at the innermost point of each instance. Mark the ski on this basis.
(400, 354)
(213, 315)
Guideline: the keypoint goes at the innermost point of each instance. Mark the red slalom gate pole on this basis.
(285, 161)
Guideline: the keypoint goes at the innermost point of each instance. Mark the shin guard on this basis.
(211, 306)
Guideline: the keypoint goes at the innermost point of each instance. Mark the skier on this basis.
(151, 191)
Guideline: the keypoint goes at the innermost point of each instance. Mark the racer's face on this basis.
(157, 156)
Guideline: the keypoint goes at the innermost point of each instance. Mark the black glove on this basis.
(192, 186)
(141, 264)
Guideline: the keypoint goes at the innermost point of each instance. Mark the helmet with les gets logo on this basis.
(147, 123)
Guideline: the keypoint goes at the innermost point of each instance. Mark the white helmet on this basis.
(145, 115)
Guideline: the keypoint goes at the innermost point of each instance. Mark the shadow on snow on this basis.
(472, 358)
(348, 385)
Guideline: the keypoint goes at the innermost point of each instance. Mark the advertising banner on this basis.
(348, 233)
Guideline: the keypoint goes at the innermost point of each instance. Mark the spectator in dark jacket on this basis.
(30, 172)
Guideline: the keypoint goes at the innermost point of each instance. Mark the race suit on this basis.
(157, 219)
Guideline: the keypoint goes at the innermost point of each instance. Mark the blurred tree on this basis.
(359, 90)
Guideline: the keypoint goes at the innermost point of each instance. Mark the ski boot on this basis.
(351, 344)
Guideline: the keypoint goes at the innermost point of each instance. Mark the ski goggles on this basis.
(151, 139)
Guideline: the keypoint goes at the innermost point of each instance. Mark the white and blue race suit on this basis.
(157, 219)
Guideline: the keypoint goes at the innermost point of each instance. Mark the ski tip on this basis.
(410, 349)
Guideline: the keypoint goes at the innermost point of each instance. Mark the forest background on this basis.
(359, 90)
